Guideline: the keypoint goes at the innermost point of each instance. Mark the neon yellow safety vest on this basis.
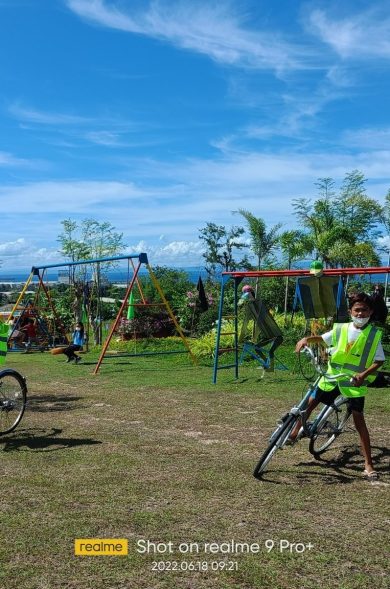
(3, 341)
(357, 359)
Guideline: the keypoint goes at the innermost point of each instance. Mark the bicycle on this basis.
(13, 399)
(327, 426)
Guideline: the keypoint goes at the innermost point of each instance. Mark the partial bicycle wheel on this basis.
(277, 441)
(13, 398)
(311, 365)
(329, 426)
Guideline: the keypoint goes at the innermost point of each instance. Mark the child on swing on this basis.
(78, 341)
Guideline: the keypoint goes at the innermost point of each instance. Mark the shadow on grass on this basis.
(156, 368)
(42, 440)
(342, 469)
(48, 403)
(328, 478)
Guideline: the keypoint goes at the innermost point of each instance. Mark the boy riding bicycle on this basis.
(356, 350)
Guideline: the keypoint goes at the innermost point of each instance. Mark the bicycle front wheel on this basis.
(13, 397)
(277, 441)
(306, 365)
(330, 425)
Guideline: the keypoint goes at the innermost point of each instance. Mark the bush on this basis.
(167, 344)
(146, 326)
(206, 320)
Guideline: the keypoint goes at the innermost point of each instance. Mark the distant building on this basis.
(63, 277)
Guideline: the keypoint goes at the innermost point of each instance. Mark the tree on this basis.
(74, 248)
(221, 245)
(385, 241)
(262, 242)
(353, 255)
(355, 209)
(337, 224)
(89, 240)
(294, 246)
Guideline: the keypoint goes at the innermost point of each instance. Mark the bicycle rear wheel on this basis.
(329, 426)
(13, 397)
(277, 440)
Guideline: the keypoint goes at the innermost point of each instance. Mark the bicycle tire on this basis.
(277, 440)
(13, 399)
(306, 367)
(329, 426)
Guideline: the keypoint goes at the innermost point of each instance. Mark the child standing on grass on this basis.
(356, 349)
(76, 345)
(30, 331)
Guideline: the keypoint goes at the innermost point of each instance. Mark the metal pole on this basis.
(20, 297)
(143, 258)
(115, 323)
(387, 274)
(179, 330)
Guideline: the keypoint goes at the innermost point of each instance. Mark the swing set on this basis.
(56, 332)
(317, 296)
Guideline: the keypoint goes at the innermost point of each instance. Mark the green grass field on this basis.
(150, 449)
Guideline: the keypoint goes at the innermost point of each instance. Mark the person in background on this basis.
(78, 341)
(30, 331)
(16, 336)
(380, 311)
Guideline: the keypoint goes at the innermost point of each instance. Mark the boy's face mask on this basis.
(360, 321)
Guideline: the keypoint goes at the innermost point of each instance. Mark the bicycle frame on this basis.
(309, 428)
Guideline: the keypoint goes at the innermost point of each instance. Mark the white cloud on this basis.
(297, 112)
(73, 130)
(65, 196)
(106, 138)
(182, 248)
(11, 248)
(7, 159)
(177, 199)
(176, 253)
(384, 243)
(340, 77)
(365, 34)
(45, 118)
(24, 253)
(371, 138)
(215, 30)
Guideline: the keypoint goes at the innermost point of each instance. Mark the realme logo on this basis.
(101, 547)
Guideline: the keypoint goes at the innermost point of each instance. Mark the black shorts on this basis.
(329, 397)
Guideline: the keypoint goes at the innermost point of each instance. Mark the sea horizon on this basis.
(115, 275)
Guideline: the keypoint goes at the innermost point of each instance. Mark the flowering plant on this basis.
(145, 326)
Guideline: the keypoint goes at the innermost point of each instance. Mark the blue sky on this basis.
(161, 116)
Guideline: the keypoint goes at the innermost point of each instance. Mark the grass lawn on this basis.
(150, 449)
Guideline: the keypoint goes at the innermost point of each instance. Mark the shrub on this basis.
(206, 320)
(146, 326)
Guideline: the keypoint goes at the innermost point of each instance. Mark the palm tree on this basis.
(263, 242)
